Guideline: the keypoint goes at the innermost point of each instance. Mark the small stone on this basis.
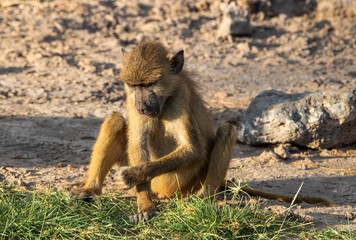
(303, 166)
(267, 157)
(282, 151)
(150, 27)
(62, 164)
(235, 21)
(243, 48)
(350, 216)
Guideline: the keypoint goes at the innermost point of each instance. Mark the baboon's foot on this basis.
(202, 193)
(142, 216)
(205, 192)
(146, 210)
(83, 194)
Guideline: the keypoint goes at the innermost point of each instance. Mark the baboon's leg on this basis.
(146, 207)
(110, 148)
(219, 160)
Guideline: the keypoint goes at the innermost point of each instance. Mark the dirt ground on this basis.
(59, 66)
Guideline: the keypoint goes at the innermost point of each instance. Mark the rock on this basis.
(235, 21)
(314, 120)
(243, 48)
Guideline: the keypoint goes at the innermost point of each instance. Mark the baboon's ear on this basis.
(177, 61)
(123, 52)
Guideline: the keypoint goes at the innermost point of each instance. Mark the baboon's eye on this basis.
(140, 85)
(147, 85)
(133, 85)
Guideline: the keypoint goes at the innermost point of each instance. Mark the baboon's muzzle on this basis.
(149, 106)
(147, 110)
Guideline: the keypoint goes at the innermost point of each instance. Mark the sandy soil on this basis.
(59, 63)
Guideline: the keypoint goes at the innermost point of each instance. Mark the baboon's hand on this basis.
(126, 178)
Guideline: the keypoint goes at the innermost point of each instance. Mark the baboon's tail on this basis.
(281, 197)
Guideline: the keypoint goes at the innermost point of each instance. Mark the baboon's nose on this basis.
(143, 108)
(144, 111)
(147, 110)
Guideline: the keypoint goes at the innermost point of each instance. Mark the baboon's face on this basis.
(147, 101)
(150, 77)
(150, 99)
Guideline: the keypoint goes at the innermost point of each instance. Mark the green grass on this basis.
(34, 215)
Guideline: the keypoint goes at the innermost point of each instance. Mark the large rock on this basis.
(315, 120)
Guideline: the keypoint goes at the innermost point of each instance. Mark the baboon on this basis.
(168, 145)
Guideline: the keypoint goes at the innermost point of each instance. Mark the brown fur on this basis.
(168, 145)
(145, 64)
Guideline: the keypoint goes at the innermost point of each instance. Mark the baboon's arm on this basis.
(186, 152)
(179, 158)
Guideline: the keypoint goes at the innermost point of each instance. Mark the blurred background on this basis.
(63, 58)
